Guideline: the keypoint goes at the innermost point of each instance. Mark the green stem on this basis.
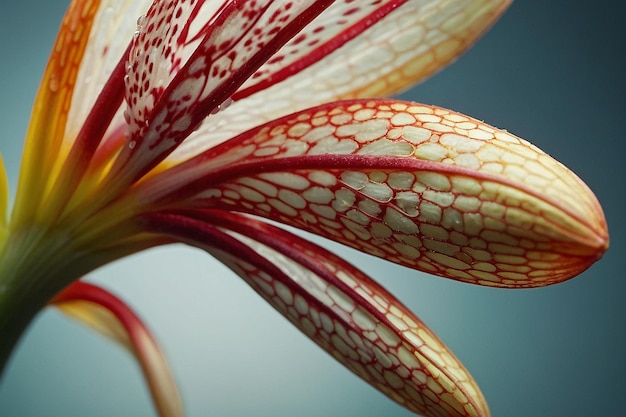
(38, 263)
(35, 264)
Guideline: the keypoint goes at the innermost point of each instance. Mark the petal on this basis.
(375, 48)
(372, 49)
(187, 59)
(340, 23)
(107, 48)
(106, 51)
(107, 314)
(341, 309)
(50, 110)
(417, 185)
(107, 42)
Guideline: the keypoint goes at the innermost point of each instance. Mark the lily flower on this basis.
(215, 123)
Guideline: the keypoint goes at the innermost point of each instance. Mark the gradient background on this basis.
(551, 72)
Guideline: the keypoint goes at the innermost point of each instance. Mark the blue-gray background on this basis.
(551, 72)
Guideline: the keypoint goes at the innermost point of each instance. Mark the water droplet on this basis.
(127, 116)
(226, 103)
(141, 20)
(132, 144)
(222, 106)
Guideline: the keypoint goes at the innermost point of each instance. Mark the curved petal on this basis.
(417, 185)
(50, 110)
(350, 316)
(107, 48)
(102, 311)
(101, 73)
(379, 49)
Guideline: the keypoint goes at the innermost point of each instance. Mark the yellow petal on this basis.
(50, 110)
(92, 39)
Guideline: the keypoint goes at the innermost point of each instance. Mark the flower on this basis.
(417, 185)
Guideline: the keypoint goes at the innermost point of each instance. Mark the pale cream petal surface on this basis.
(406, 46)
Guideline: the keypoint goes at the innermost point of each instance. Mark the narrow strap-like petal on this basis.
(417, 185)
(341, 309)
(106, 52)
(110, 316)
(107, 43)
(50, 110)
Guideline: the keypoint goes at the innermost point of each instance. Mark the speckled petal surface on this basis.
(417, 185)
(187, 59)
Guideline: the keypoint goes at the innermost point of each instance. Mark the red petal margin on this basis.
(86, 302)
(341, 309)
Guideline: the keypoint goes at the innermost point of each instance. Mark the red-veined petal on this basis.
(418, 185)
(110, 36)
(188, 59)
(377, 49)
(341, 309)
(338, 24)
(102, 311)
(107, 41)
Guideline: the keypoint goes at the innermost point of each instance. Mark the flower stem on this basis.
(34, 265)
(38, 262)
